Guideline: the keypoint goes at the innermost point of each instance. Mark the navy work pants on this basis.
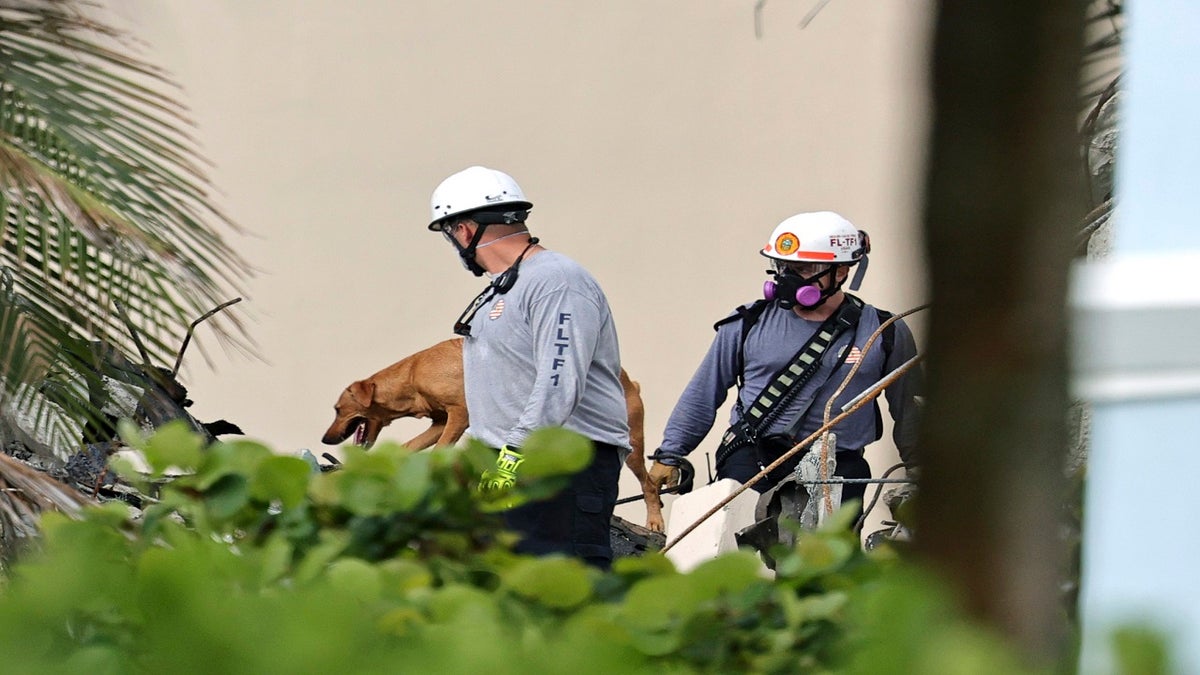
(576, 521)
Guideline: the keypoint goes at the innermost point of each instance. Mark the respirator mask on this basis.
(800, 284)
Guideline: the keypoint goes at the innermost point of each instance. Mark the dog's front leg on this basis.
(654, 507)
(654, 503)
(426, 438)
(456, 424)
(636, 461)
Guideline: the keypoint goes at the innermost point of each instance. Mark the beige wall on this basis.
(660, 142)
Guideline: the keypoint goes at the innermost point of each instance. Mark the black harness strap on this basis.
(770, 402)
(748, 316)
(789, 379)
(804, 364)
(889, 341)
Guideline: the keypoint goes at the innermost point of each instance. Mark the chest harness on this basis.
(790, 379)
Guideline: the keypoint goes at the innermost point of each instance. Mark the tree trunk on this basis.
(1004, 196)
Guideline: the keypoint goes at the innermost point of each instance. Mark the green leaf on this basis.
(174, 444)
(843, 519)
(644, 565)
(412, 481)
(356, 460)
(331, 544)
(1141, 649)
(131, 434)
(656, 610)
(225, 458)
(325, 489)
(815, 554)
(407, 575)
(355, 578)
(456, 600)
(826, 606)
(478, 457)
(554, 452)
(364, 494)
(109, 514)
(731, 572)
(124, 467)
(282, 478)
(276, 556)
(401, 621)
(555, 582)
(530, 489)
(97, 659)
(226, 497)
(658, 641)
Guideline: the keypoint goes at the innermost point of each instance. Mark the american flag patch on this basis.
(854, 355)
(497, 309)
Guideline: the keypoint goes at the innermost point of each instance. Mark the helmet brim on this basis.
(819, 261)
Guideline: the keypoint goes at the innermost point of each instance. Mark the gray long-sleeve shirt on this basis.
(772, 343)
(545, 354)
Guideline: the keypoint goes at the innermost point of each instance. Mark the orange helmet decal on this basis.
(786, 243)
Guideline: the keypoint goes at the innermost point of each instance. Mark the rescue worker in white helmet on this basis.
(540, 349)
(782, 393)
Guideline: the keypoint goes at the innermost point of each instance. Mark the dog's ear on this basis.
(363, 392)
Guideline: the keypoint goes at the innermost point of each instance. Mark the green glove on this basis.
(505, 474)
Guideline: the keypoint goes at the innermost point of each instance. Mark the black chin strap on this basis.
(834, 287)
(483, 219)
(468, 254)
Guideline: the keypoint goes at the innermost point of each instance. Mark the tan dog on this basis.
(429, 384)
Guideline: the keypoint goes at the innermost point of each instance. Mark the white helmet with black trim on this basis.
(478, 188)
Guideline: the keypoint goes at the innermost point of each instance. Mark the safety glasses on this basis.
(804, 269)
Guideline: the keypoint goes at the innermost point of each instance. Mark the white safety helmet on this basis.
(820, 237)
(476, 188)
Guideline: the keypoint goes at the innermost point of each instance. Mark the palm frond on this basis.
(104, 200)
(25, 494)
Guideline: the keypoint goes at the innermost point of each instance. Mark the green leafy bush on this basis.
(251, 562)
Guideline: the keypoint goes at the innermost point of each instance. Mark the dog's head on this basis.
(355, 414)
